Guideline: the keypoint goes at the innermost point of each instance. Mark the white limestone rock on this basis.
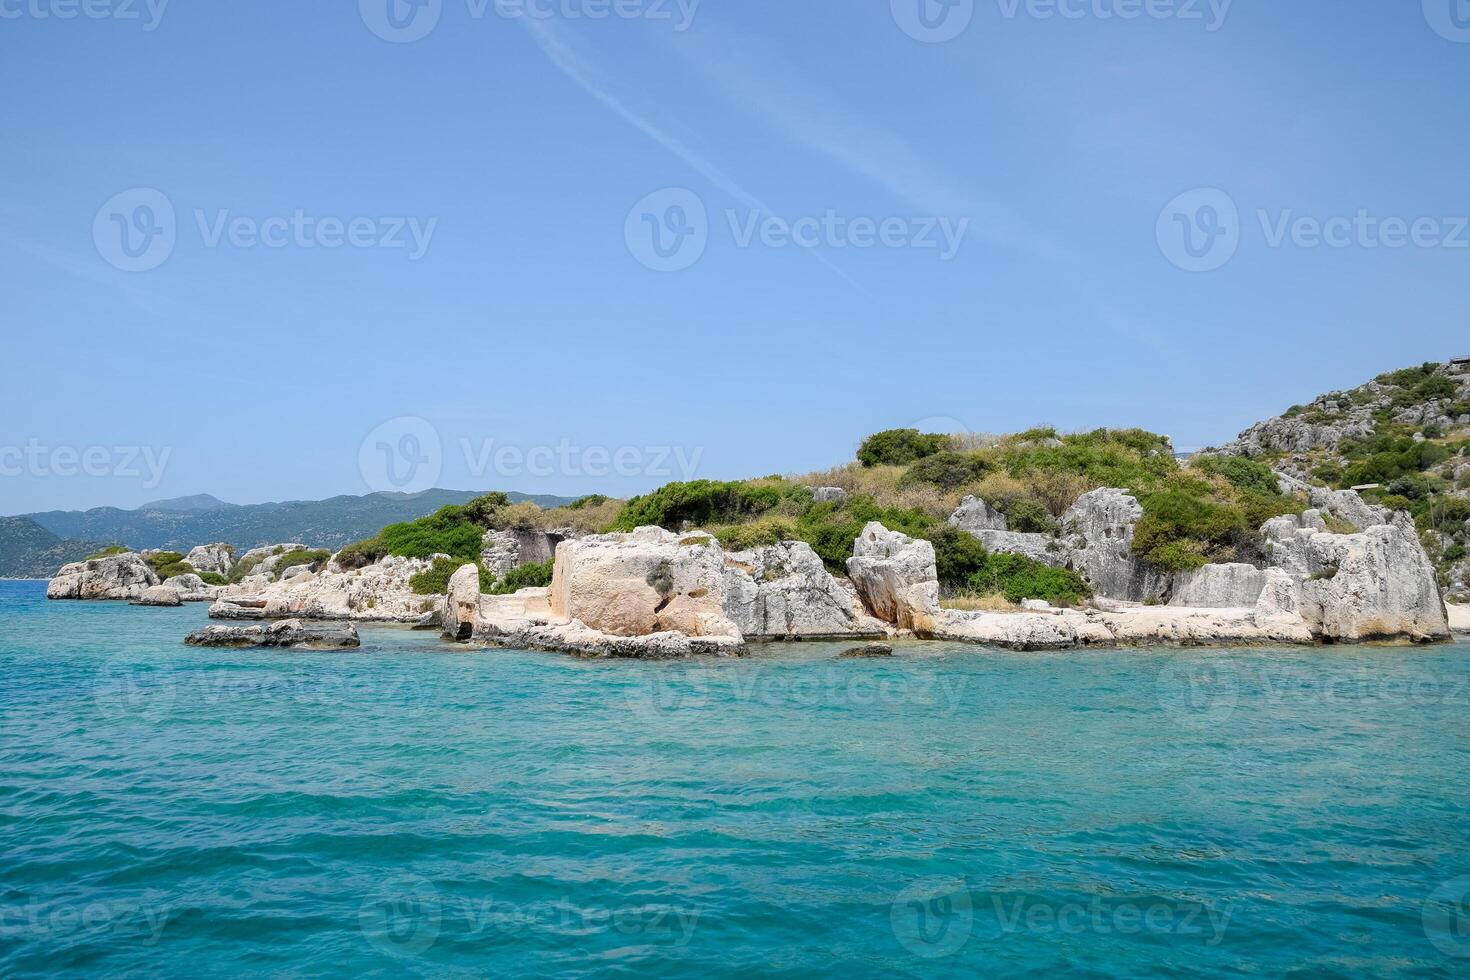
(192, 588)
(1099, 530)
(1223, 586)
(785, 592)
(159, 595)
(462, 604)
(1378, 583)
(644, 582)
(114, 577)
(217, 558)
(975, 515)
(379, 592)
(896, 578)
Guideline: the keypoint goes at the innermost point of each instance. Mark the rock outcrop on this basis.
(1225, 586)
(216, 558)
(379, 592)
(783, 592)
(506, 550)
(1375, 584)
(1099, 531)
(261, 562)
(159, 595)
(115, 577)
(462, 604)
(644, 582)
(288, 634)
(975, 515)
(192, 588)
(895, 577)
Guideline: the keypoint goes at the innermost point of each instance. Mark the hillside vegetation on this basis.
(1404, 436)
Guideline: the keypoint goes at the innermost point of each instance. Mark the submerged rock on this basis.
(287, 634)
(865, 651)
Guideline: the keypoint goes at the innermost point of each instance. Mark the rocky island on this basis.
(1345, 521)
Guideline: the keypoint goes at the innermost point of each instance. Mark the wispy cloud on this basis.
(582, 68)
(753, 78)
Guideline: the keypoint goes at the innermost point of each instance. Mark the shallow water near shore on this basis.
(412, 808)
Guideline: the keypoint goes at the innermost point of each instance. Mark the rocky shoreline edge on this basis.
(656, 594)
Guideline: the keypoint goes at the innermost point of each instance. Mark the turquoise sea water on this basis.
(410, 809)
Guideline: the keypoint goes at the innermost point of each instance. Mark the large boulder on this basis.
(192, 588)
(1226, 586)
(462, 604)
(217, 558)
(159, 595)
(288, 634)
(1377, 583)
(975, 515)
(896, 577)
(115, 577)
(783, 591)
(1099, 530)
(644, 582)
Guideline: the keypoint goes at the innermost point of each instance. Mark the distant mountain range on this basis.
(36, 545)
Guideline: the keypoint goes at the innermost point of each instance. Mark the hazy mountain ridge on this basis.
(182, 523)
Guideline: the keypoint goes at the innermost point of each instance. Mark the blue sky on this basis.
(501, 178)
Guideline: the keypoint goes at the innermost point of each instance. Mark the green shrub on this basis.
(167, 564)
(831, 528)
(1029, 517)
(435, 580)
(1244, 474)
(301, 556)
(455, 530)
(1018, 577)
(900, 447)
(957, 556)
(213, 578)
(108, 552)
(244, 567)
(757, 534)
(591, 500)
(706, 503)
(531, 576)
(947, 470)
(1183, 527)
